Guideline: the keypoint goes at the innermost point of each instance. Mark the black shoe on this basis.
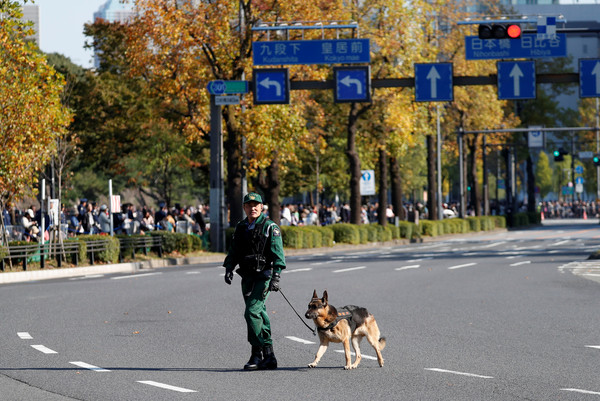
(269, 362)
(255, 359)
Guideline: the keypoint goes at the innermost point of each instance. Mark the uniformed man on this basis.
(258, 249)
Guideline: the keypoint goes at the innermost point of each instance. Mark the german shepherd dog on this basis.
(350, 323)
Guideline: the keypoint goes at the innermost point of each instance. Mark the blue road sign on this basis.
(335, 51)
(352, 84)
(579, 170)
(528, 46)
(271, 86)
(433, 82)
(516, 80)
(589, 77)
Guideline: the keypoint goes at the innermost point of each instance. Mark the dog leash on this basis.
(300, 317)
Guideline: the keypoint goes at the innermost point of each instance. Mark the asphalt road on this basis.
(500, 316)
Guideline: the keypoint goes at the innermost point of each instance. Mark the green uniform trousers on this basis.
(257, 318)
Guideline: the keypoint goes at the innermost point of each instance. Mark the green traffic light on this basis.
(556, 153)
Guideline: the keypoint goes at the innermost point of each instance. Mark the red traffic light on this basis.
(513, 31)
(499, 31)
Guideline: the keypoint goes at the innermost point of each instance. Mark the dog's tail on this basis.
(381, 343)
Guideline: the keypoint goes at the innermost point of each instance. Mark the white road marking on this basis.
(135, 275)
(560, 242)
(576, 390)
(300, 340)
(408, 267)
(459, 266)
(90, 367)
(459, 373)
(525, 262)
(591, 274)
(325, 263)
(345, 257)
(87, 277)
(44, 349)
(350, 269)
(418, 260)
(192, 272)
(304, 269)
(166, 386)
(352, 353)
(554, 251)
(593, 346)
(493, 244)
(23, 335)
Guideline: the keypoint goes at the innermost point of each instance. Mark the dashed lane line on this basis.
(166, 386)
(326, 262)
(593, 346)
(304, 269)
(578, 390)
(44, 349)
(461, 266)
(459, 373)
(525, 262)
(89, 367)
(135, 275)
(350, 269)
(300, 340)
(352, 353)
(408, 267)
(23, 335)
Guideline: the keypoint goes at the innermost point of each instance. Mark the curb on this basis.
(135, 267)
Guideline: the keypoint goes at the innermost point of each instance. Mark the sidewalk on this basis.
(134, 267)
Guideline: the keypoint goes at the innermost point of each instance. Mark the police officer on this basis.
(258, 249)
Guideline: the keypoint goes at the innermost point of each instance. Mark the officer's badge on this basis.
(276, 232)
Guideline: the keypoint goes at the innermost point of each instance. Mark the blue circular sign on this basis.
(216, 87)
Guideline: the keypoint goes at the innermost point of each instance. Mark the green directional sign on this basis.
(220, 87)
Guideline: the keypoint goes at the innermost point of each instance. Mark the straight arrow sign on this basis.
(516, 80)
(433, 77)
(516, 75)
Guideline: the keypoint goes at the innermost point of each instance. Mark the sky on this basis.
(61, 27)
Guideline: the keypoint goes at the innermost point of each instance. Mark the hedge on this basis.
(110, 255)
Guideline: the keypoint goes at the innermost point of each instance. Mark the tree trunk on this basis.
(235, 172)
(431, 182)
(396, 189)
(272, 190)
(383, 187)
(475, 192)
(354, 162)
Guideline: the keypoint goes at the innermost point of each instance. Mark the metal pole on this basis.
(463, 209)
(486, 195)
(217, 196)
(597, 150)
(439, 165)
(110, 211)
(43, 221)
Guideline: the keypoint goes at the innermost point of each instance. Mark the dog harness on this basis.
(344, 313)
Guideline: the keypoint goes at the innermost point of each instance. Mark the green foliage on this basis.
(345, 233)
(408, 229)
(111, 252)
(292, 237)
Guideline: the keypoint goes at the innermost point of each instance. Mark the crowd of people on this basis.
(91, 218)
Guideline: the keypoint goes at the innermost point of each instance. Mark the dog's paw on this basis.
(312, 365)
(349, 367)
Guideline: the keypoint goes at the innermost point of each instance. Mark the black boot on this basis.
(255, 359)
(269, 362)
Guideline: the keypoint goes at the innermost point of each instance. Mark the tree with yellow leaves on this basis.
(31, 114)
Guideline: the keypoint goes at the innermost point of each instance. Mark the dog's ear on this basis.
(315, 294)
(325, 297)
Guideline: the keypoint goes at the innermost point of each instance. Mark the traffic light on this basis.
(596, 160)
(559, 155)
(499, 31)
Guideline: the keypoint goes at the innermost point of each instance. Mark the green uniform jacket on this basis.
(273, 247)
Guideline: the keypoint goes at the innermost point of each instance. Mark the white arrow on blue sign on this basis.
(589, 78)
(433, 82)
(352, 84)
(271, 86)
(516, 80)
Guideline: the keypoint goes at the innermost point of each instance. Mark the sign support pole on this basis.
(217, 194)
